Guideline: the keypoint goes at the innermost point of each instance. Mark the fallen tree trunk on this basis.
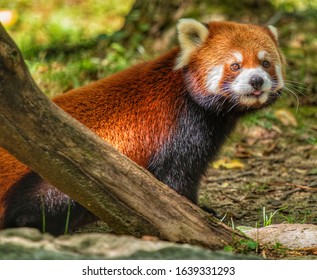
(73, 159)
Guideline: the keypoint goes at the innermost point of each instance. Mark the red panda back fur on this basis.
(158, 113)
(11, 171)
(127, 111)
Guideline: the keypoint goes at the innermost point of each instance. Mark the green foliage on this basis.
(55, 26)
(313, 171)
(67, 218)
(46, 23)
(295, 5)
(67, 72)
(243, 246)
(228, 248)
(66, 231)
(43, 215)
(312, 140)
(268, 218)
(264, 119)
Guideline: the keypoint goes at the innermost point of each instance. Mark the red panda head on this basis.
(236, 65)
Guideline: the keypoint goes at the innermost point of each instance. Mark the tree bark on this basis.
(73, 159)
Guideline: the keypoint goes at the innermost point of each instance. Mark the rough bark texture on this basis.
(78, 163)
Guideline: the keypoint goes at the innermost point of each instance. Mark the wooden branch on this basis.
(73, 159)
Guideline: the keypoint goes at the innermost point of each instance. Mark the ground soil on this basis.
(277, 169)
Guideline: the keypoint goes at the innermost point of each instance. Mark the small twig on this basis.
(233, 198)
(289, 193)
(294, 185)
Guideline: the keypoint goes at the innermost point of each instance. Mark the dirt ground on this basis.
(266, 165)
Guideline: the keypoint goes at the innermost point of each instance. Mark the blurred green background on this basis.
(72, 42)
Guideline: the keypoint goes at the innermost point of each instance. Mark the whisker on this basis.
(293, 93)
(296, 83)
(234, 105)
(298, 86)
(295, 90)
(290, 78)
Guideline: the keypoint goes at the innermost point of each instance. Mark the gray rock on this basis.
(26, 243)
(292, 236)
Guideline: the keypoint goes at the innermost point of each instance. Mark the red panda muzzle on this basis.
(256, 82)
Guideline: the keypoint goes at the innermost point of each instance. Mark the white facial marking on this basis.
(238, 56)
(280, 80)
(241, 86)
(250, 100)
(262, 55)
(241, 83)
(213, 78)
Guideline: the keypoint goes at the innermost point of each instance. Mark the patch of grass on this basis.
(289, 218)
(55, 25)
(67, 217)
(306, 129)
(300, 217)
(43, 215)
(265, 119)
(65, 73)
(312, 140)
(294, 5)
(268, 217)
(45, 23)
(255, 188)
(243, 246)
(281, 215)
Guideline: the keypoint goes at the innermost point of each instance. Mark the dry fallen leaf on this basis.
(255, 133)
(242, 151)
(270, 147)
(228, 163)
(286, 117)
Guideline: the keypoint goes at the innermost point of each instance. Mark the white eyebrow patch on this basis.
(238, 56)
(262, 55)
(213, 78)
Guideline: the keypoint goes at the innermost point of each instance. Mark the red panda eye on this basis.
(266, 64)
(235, 67)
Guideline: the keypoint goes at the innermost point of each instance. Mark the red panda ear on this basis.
(273, 31)
(191, 34)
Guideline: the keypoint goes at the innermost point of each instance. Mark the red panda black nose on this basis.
(256, 82)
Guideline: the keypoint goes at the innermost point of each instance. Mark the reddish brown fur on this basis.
(104, 99)
(149, 96)
(115, 109)
(11, 171)
(227, 37)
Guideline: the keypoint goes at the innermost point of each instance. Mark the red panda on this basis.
(170, 115)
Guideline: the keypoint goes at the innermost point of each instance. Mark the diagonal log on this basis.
(73, 159)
